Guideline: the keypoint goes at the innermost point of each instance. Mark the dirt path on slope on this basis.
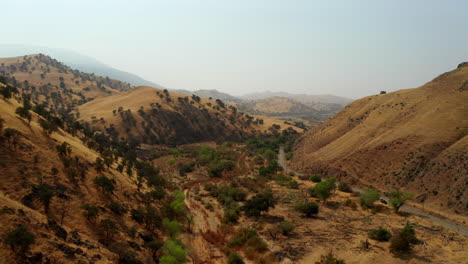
(204, 221)
(458, 228)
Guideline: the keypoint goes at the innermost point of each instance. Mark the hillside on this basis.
(415, 139)
(153, 116)
(76, 61)
(71, 196)
(50, 80)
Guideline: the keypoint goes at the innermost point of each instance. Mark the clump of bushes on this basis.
(344, 187)
(380, 234)
(369, 197)
(20, 239)
(307, 208)
(234, 258)
(249, 237)
(329, 258)
(287, 181)
(323, 190)
(315, 178)
(261, 202)
(286, 227)
(404, 240)
(105, 183)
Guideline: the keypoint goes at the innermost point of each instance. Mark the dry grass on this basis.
(413, 138)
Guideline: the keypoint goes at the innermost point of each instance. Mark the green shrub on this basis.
(307, 208)
(369, 197)
(172, 227)
(231, 215)
(117, 208)
(286, 227)
(315, 178)
(344, 187)
(380, 234)
(105, 183)
(20, 239)
(91, 212)
(157, 194)
(171, 161)
(249, 237)
(323, 190)
(398, 199)
(403, 241)
(234, 258)
(173, 252)
(329, 258)
(261, 202)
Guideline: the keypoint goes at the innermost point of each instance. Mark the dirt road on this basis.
(458, 228)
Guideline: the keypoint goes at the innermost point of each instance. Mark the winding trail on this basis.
(458, 228)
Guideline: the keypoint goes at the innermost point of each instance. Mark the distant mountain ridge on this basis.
(77, 61)
(303, 98)
(215, 94)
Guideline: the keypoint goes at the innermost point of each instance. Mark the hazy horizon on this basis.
(345, 48)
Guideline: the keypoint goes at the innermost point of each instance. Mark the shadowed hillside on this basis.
(154, 116)
(413, 139)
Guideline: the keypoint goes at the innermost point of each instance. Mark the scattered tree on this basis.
(323, 190)
(398, 199)
(261, 202)
(403, 241)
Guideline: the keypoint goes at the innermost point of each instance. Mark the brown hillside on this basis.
(150, 115)
(46, 77)
(29, 160)
(413, 139)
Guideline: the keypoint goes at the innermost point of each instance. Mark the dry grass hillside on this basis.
(153, 116)
(35, 164)
(415, 139)
(46, 77)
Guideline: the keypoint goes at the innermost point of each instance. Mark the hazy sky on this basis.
(350, 48)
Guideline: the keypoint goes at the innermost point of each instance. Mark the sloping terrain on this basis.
(48, 181)
(153, 116)
(413, 139)
(52, 81)
(76, 61)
